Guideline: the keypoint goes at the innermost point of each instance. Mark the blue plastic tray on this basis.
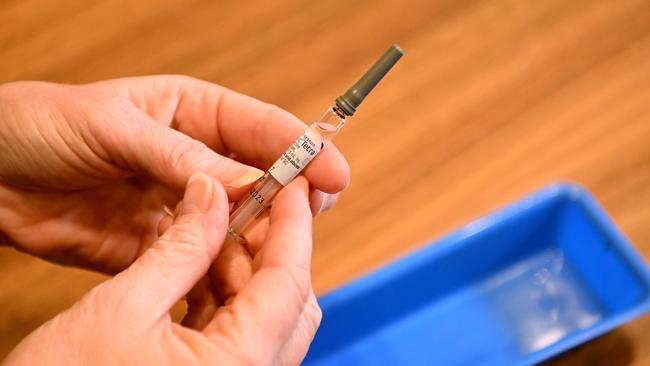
(514, 288)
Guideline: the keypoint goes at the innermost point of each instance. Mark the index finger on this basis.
(267, 310)
(230, 122)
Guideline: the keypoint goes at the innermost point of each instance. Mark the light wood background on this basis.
(494, 99)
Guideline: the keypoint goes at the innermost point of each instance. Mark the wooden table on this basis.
(494, 99)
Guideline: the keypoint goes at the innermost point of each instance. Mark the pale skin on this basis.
(84, 175)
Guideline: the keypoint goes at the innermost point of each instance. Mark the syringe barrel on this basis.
(259, 198)
(309, 144)
(287, 167)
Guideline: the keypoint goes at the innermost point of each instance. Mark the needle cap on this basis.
(349, 102)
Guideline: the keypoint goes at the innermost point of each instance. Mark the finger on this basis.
(288, 242)
(320, 202)
(256, 234)
(234, 264)
(181, 256)
(168, 219)
(134, 141)
(316, 201)
(164, 224)
(202, 303)
(229, 122)
(262, 132)
(231, 270)
(265, 313)
(295, 349)
(330, 201)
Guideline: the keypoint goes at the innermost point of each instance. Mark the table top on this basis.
(494, 99)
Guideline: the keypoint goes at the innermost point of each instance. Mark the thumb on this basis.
(174, 263)
(168, 155)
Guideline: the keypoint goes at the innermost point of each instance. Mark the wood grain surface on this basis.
(494, 99)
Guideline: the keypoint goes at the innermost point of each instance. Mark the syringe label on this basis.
(297, 156)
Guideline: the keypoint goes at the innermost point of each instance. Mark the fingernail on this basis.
(198, 194)
(328, 202)
(322, 205)
(251, 175)
(168, 211)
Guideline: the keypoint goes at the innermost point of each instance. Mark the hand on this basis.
(86, 170)
(125, 320)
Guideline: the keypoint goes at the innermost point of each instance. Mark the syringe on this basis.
(308, 145)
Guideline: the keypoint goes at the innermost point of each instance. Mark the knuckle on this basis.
(183, 237)
(273, 111)
(299, 280)
(229, 329)
(182, 152)
(103, 303)
(314, 314)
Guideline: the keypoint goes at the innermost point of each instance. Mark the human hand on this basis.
(125, 320)
(86, 170)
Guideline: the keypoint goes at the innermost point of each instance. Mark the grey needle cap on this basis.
(349, 102)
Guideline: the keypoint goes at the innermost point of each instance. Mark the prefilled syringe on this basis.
(308, 145)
